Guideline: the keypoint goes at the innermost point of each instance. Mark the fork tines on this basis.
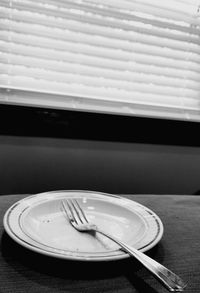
(74, 211)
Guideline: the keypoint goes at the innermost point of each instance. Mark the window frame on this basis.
(67, 124)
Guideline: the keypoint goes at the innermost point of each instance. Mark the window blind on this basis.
(129, 57)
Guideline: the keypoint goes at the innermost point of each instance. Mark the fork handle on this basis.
(170, 280)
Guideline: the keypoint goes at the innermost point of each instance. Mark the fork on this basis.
(79, 221)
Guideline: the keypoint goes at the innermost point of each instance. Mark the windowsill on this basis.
(29, 121)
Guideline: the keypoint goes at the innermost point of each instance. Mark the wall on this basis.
(31, 165)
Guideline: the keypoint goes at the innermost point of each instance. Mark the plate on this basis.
(38, 223)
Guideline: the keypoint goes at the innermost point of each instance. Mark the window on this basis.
(129, 57)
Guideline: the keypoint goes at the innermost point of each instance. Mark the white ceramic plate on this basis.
(38, 223)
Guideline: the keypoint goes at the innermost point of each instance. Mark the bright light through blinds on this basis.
(130, 57)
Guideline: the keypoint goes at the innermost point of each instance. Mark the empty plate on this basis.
(38, 223)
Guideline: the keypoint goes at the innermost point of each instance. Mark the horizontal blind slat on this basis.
(190, 103)
(69, 33)
(96, 93)
(59, 19)
(141, 56)
(118, 14)
(70, 102)
(58, 34)
(148, 9)
(102, 65)
(110, 49)
(106, 83)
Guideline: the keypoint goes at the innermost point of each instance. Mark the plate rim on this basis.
(74, 255)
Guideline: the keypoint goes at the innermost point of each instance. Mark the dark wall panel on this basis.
(33, 164)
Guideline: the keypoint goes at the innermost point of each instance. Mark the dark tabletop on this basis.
(22, 270)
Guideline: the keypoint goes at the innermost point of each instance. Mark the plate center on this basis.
(47, 224)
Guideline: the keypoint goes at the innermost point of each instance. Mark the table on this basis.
(22, 270)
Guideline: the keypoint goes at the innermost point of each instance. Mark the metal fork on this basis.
(79, 221)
